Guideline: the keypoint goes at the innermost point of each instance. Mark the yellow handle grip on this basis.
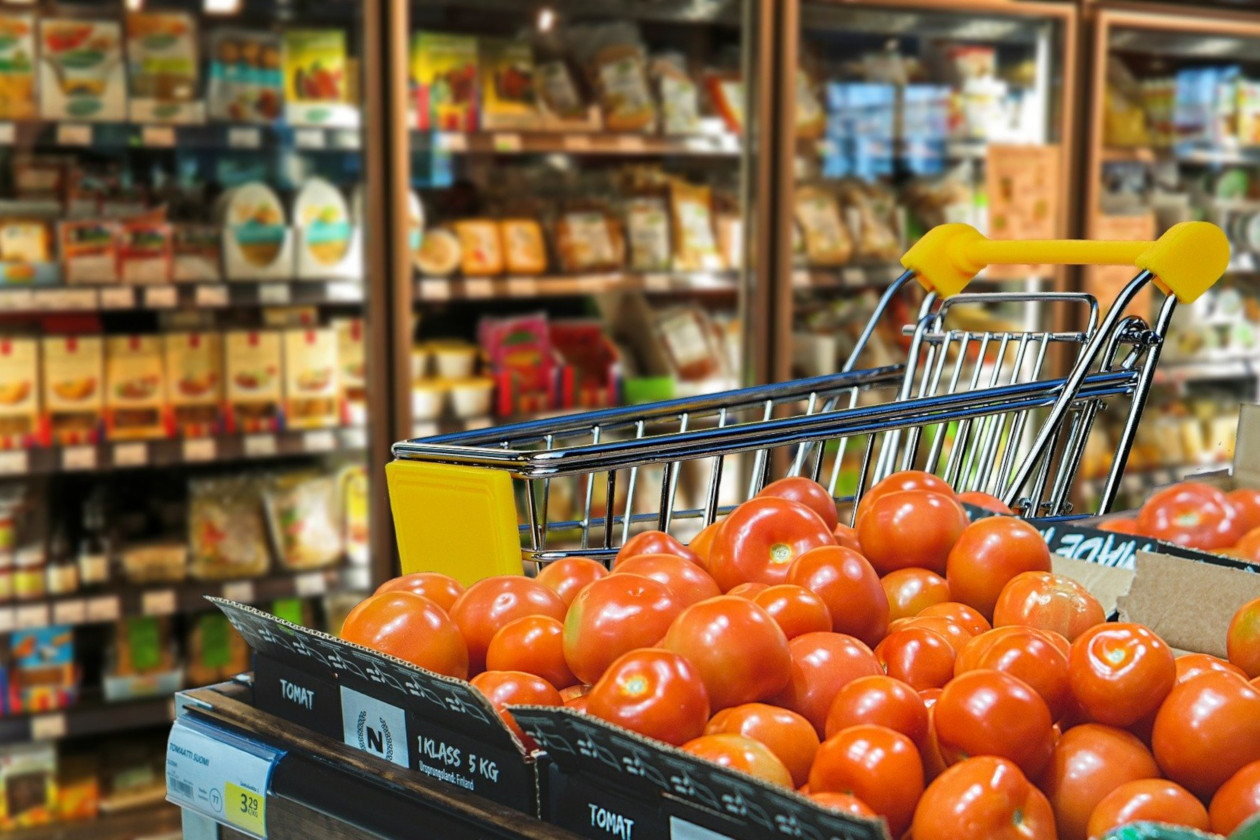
(1186, 260)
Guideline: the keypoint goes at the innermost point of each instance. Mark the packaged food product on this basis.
(145, 252)
(586, 240)
(25, 241)
(216, 652)
(28, 784)
(439, 253)
(253, 214)
(519, 352)
(480, 247)
(811, 119)
(19, 395)
(253, 363)
(525, 252)
(730, 239)
(311, 383)
(81, 70)
(352, 361)
(875, 237)
(162, 65)
(89, 251)
(39, 177)
(827, 239)
(143, 646)
(453, 359)
(320, 211)
(726, 90)
(647, 233)
(444, 75)
(617, 65)
(135, 397)
(354, 495)
(507, 77)
(679, 97)
(73, 372)
(304, 515)
(687, 336)
(246, 82)
(195, 253)
(194, 381)
(558, 90)
(155, 561)
(428, 399)
(471, 397)
(78, 788)
(695, 248)
(415, 233)
(17, 66)
(314, 65)
(226, 532)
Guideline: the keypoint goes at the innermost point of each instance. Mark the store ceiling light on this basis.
(134, 5)
(546, 19)
(221, 7)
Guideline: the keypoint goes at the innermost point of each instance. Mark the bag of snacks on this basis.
(226, 534)
(827, 240)
(647, 231)
(617, 66)
(695, 246)
(304, 516)
(588, 240)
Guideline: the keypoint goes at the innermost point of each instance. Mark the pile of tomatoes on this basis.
(918, 667)
(1200, 516)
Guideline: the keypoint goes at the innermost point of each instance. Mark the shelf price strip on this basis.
(220, 775)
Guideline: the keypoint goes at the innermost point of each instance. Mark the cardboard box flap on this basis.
(1078, 539)
(1247, 447)
(450, 702)
(1165, 587)
(1106, 583)
(582, 744)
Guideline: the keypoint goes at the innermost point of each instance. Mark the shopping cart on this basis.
(977, 405)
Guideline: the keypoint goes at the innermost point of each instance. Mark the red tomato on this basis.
(748, 590)
(898, 481)
(1207, 730)
(703, 541)
(741, 753)
(410, 627)
(845, 802)
(615, 615)
(806, 492)
(846, 537)
(848, 586)
(879, 766)
(917, 656)
(1089, 762)
(822, 664)
(987, 797)
(1147, 800)
(970, 619)
(933, 764)
(533, 644)
(788, 735)
(690, 582)
(883, 701)
(578, 704)
(516, 688)
(988, 555)
(653, 692)
(568, 576)
(654, 542)
(1048, 602)
(1120, 672)
(1024, 653)
(761, 538)
(992, 713)
(1246, 504)
(795, 609)
(910, 591)
(441, 589)
(987, 501)
(1191, 514)
(491, 603)
(1120, 525)
(910, 528)
(574, 691)
(1243, 638)
(1248, 547)
(950, 630)
(1236, 801)
(1191, 665)
(741, 654)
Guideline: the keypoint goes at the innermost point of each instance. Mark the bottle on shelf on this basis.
(94, 544)
(62, 571)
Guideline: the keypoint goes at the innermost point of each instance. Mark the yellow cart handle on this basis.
(1186, 260)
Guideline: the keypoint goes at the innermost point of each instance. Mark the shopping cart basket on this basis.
(974, 405)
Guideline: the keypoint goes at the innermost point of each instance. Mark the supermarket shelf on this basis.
(1177, 373)
(1197, 153)
(871, 276)
(953, 150)
(162, 453)
(436, 289)
(31, 300)
(93, 717)
(126, 135)
(150, 822)
(575, 143)
(118, 600)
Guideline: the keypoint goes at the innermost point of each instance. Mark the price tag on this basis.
(450, 142)
(577, 142)
(276, 294)
(630, 143)
(32, 615)
(15, 462)
(352, 439)
(853, 276)
(310, 584)
(48, 727)
(479, 287)
(309, 138)
(435, 290)
(424, 429)
(118, 297)
(160, 297)
(63, 300)
(244, 138)
(657, 282)
(507, 143)
(20, 300)
(212, 295)
(524, 287)
(698, 144)
(158, 136)
(347, 139)
(161, 602)
(220, 774)
(345, 292)
(357, 578)
(74, 134)
(131, 454)
(800, 278)
(103, 609)
(78, 458)
(319, 440)
(7, 619)
(70, 612)
(241, 591)
(260, 446)
(8, 134)
(200, 449)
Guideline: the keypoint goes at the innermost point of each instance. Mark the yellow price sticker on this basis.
(245, 809)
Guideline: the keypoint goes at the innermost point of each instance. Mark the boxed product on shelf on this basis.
(591, 373)
(26, 256)
(155, 561)
(257, 244)
(826, 238)
(142, 660)
(82, 73)
(195, 253)
(677, 93)
(227, 537)
(689, 341)
(194, 382)
(73, 375)
(144, 252)
(42, 673)
(246, 83)
(524, 249)
(89, 251)
(162, 67)
(506, 70)
(311, 381)
(304, 518)
(316, 78)
(352, 373)
(28, 785)
(444, 79)
(253, 367)
(480, 247)
(216, 652)
(135, 387)
(19, 393)
(17, 66)
(519, 354)
(439, 253)
(78, 788)
(327, 242)
(616, 64)
(560, 97)
(648, 233)
(695, 246)
(589, 240)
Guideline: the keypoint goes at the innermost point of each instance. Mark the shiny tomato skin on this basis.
(654, 542)
(441, 589)
(1120, 672)
(615, 615)
(951, 630)
(1242, 641)
(988, 555)
(533, 644)
(1027, 654)
(1236, 801)
(910, 591)
(1190, 665)
(1120, 525)
(492, 602)
(983, 797)
(567, 577)
(1247, 548)
(739, 650)
(846, 802)
(911, 528)
(748, 590)
(1191, 514)
(987, 501)
(761, 538)
(933, 764)
(785, 733)
(578, 704)
(898, 481)
(1048, 602)
(1207, 729)
(653, 692)
(1246, 504)
(1089, 762)
(703, 541)
(971, 620)
(846, 537)
(877, 765)
(992, 713)
(822, 664)
(806, 492)
(795, 609)
(882, 701)
(1147, 800)
(739, 752)
(516, 688)
(570, 692)
(410, 627)
(690, 583)
(917, 656)
(848, 586)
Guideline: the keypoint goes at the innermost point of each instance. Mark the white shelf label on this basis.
(524, 287)
(309, 138)
(103, 609)
(200, 449)
(357, 578)
(347, 292)
(800, 278)
(15, 462)
(241, 591)
(220, 775)
(447, 141)
(260, 446)
(274, 294)
(118, 297)
(74, 134)
(18, 300)
(78, 458)
(657, 282)
(7, 619)
(700, 144)
(424, 429)
(160, 297)
(347, 138)
(630, 143)
(212, 295)
(8, 134)
(507, 143)
(161, 602)
(48, 727)
(577, 142)
(244, 138)
(57, 300)
(131, 454)
(158, 136)
(310, 584)
(354, 438)
(479, 287)
(70, 612)
(853, 276)
(319, 440)
(435, 290)
(31, 616)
